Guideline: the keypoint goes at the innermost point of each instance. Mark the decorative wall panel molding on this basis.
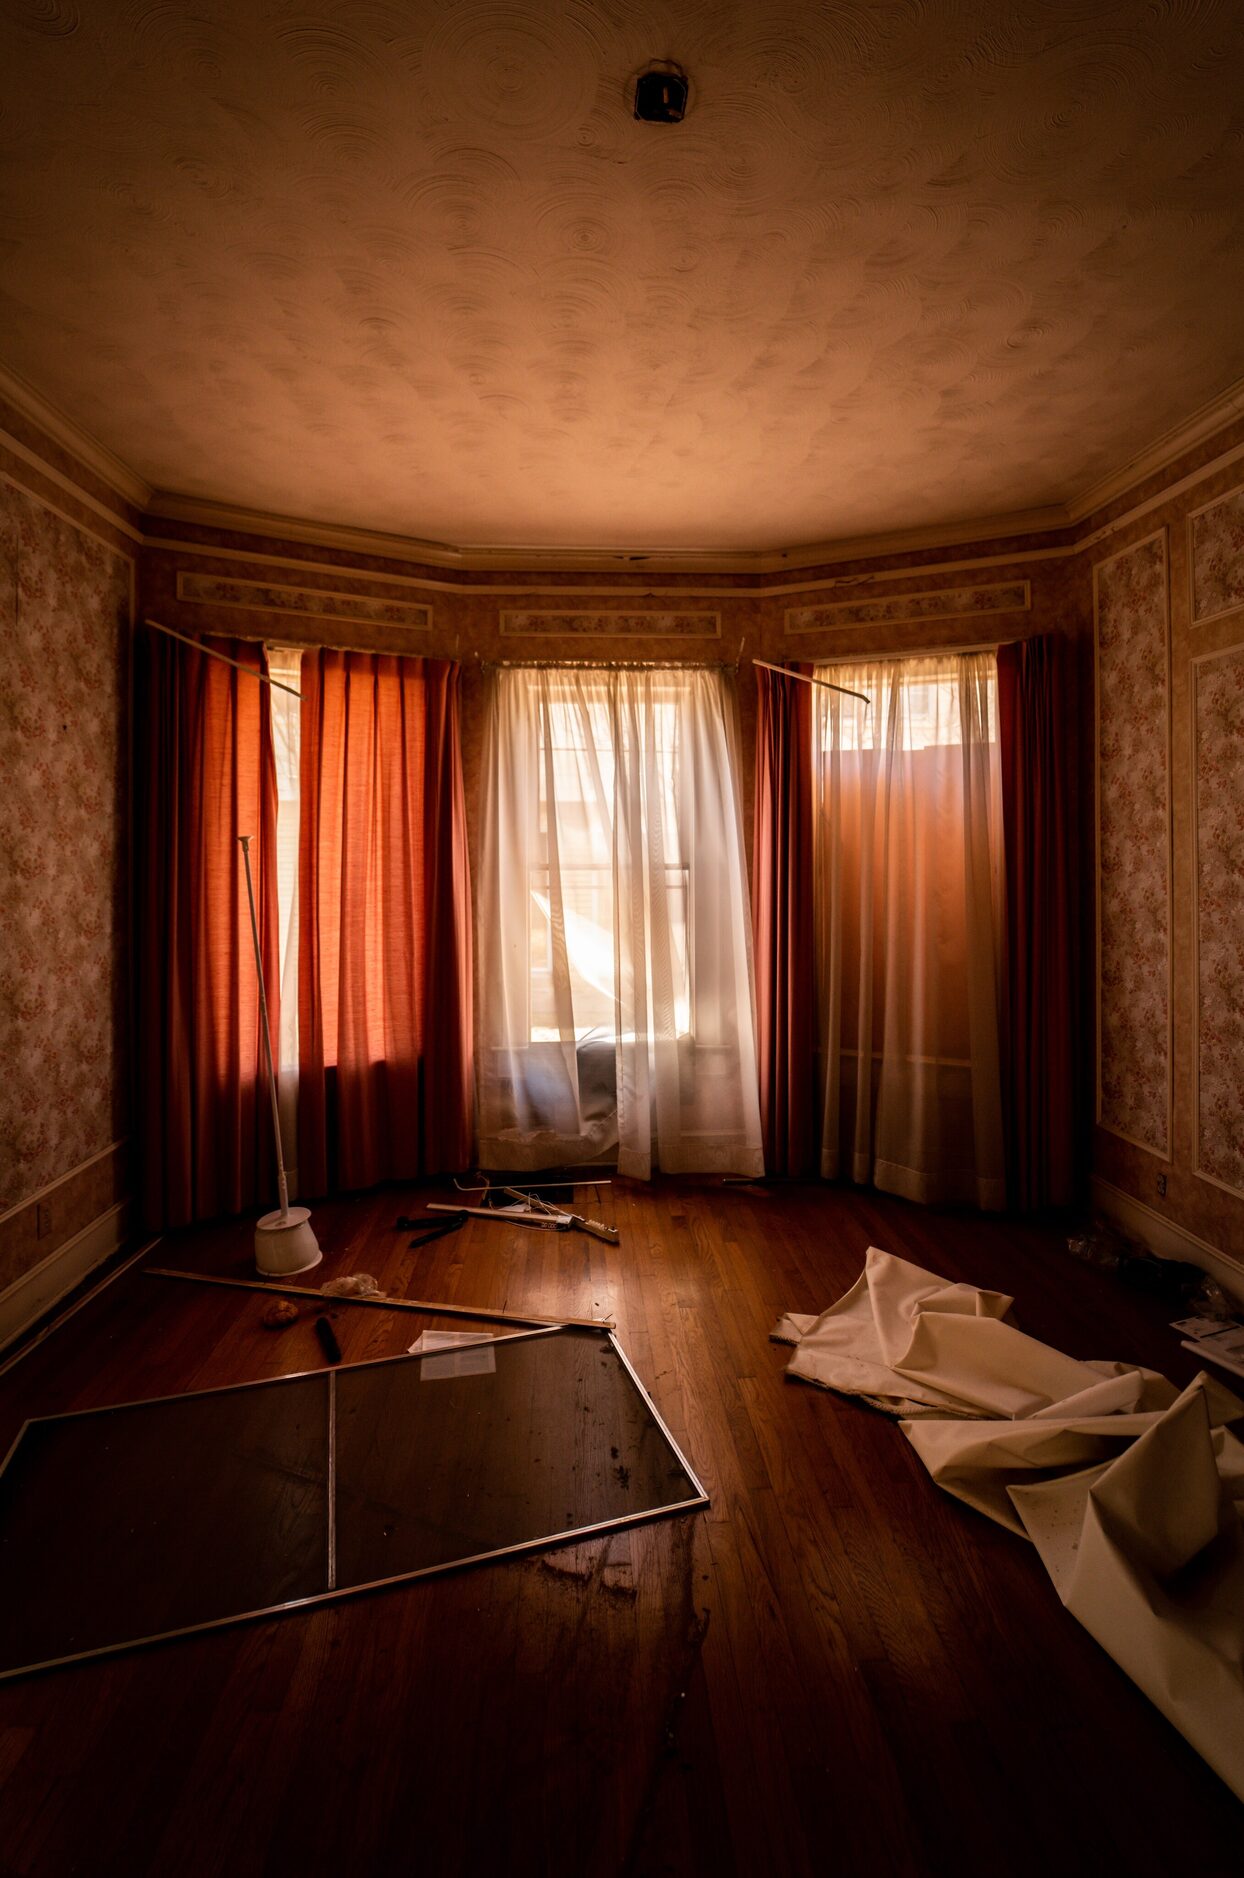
(607, 625)
(1131, 626)
(355, 605)
(895, 608)
(1216, 557)
(1218, 952)
(65, 609)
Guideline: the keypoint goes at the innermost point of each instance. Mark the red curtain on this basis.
(782, 924)
(204, 775)
(384, 1003)
(1037, 727)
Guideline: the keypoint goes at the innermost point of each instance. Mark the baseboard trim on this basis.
(1163, 1236)
(61, 1180)
(36, 1291)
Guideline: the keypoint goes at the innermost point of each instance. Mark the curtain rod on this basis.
(224, 658)
(912, 652)
(822, 683)
(300, 645)
(607, 665)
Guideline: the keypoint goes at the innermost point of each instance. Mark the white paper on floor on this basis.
(466, 1355)
(1132, 1492)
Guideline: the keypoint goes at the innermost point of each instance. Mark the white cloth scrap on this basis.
(1132, 1492)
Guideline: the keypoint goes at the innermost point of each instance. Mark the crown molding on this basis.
(192, 511)
(1020, 523)
(88, 450)
(229, 518)
(483, 557)
(1162, 454)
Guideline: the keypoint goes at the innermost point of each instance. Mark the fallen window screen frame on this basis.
(330, 1378)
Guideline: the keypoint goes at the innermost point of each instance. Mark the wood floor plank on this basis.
(834, 1669)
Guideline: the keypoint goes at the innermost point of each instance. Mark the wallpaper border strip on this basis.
(822, 618)
(624, 622)
(345, 598)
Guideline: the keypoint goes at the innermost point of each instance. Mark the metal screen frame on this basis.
(334, 1592)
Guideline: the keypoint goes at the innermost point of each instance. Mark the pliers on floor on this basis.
(450, 1223)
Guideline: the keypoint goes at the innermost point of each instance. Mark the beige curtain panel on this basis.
(910, 915)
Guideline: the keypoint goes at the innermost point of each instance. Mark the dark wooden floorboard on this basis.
(833, 1669)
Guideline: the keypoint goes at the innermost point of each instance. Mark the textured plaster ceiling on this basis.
(415, 267)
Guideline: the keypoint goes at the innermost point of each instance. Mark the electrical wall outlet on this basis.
(1161, 1186)
(43, 1221)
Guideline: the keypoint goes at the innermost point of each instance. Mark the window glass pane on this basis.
(913, 705)
(576, 763)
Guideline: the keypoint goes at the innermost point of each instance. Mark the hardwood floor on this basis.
(834, 1669)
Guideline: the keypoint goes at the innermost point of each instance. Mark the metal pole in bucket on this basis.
(284, 1241)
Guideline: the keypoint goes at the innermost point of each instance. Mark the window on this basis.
(576, 771)
(616, 1010)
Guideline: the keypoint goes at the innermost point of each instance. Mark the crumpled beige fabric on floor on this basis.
(1132, 1492)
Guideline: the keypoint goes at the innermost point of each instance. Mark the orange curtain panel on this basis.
(384, 1001)
(204, 775)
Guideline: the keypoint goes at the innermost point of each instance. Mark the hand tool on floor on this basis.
(596, 1227)
(534, 1216)
(453, 1224)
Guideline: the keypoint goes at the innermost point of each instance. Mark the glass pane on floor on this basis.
(438, 1461)
(125, 1525)
(167, 1515)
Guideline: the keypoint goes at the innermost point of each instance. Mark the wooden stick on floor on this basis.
(383, 1304)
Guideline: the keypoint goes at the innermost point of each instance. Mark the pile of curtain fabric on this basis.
(1131, 1490)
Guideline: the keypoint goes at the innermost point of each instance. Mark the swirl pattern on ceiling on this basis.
(416, 267)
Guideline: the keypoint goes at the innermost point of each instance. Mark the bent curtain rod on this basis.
(224, 658)
(804, 679)
(301, 645)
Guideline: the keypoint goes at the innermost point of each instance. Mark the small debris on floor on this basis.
(328, 1339)
(279, 1315)
(356, 1285)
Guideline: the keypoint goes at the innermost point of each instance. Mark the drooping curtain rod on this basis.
(285, 643)
(804, 679)
(211, 653)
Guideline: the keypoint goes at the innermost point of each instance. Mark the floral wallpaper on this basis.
(64, 613)
(357, 606)
(888, 609)
(1133, 856)
(1220, 917)
(1217, 549)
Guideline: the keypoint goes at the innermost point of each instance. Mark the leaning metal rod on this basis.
(244, 842)
(382, 1304)
(224, 658)
(805, 680)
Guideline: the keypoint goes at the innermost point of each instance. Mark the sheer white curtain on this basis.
(616, 1009)
(909, 919)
